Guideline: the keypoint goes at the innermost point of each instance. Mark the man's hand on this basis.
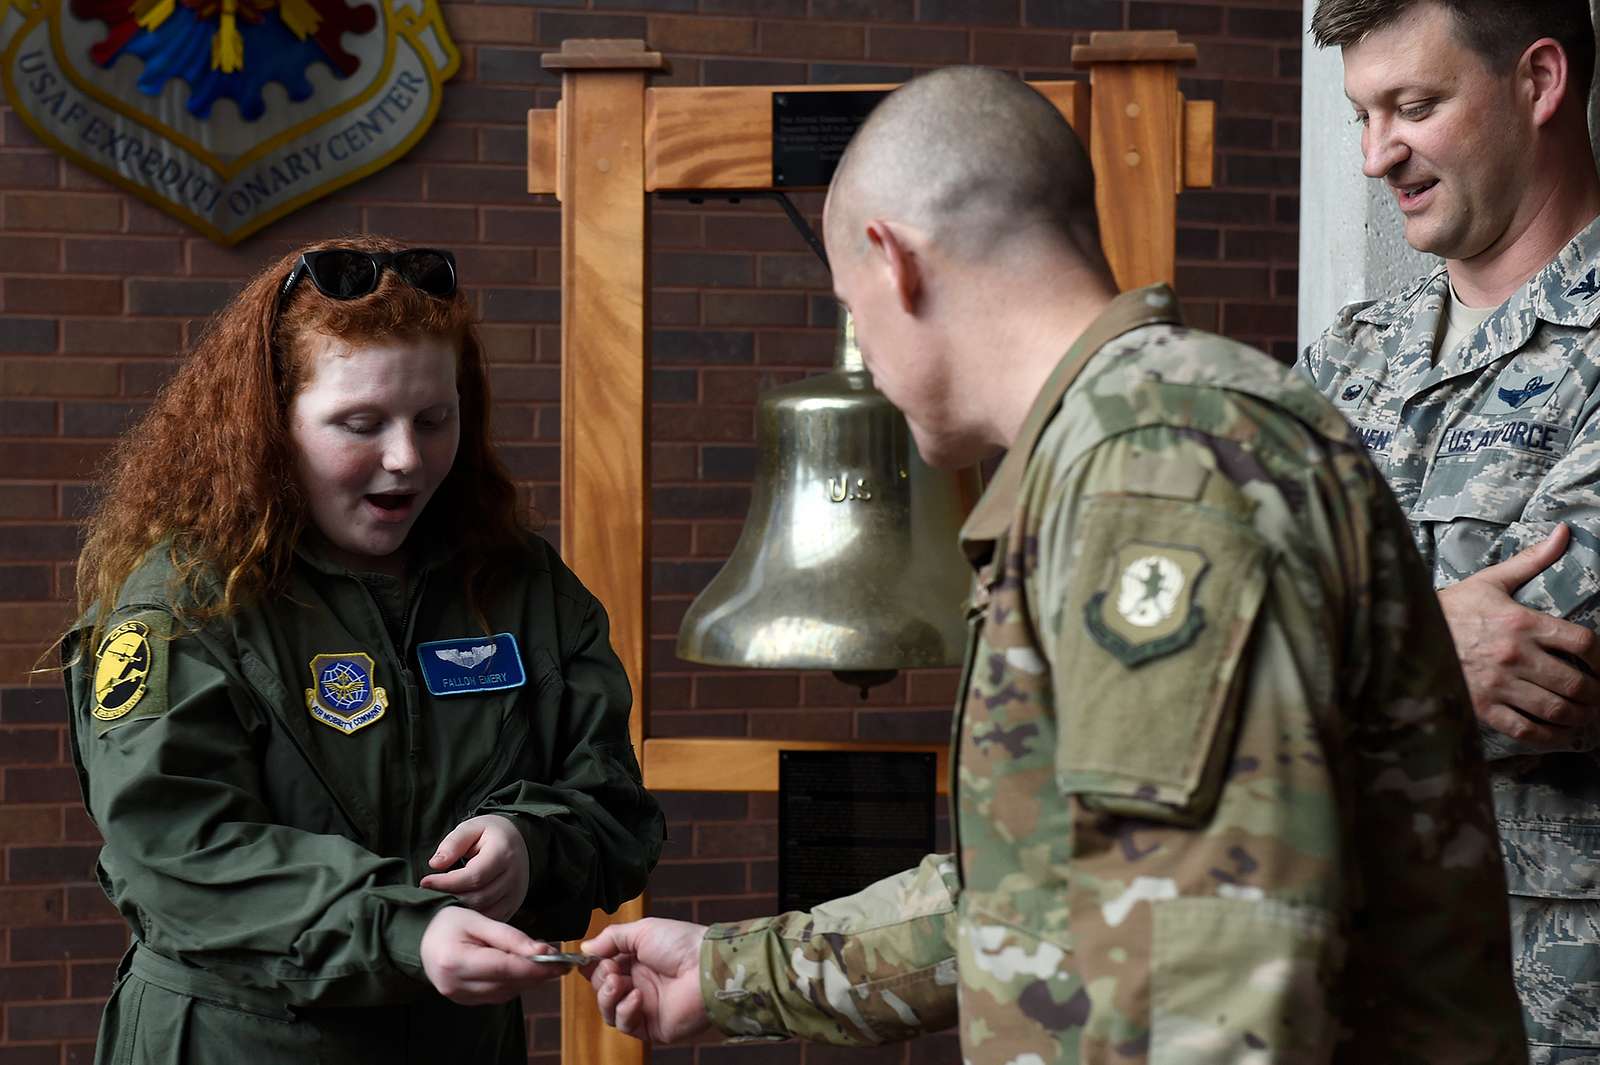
(473, 960)
(648, 986)
(1512, 655)
(495, 879)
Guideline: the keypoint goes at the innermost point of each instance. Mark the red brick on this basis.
(753, 308)
(28, 784)
(68, 460)
(1030, 49)
(787, 725)
(33, 1054)
(56, 377)
(38, 744)
(87, 902)
(91, 980)
(719, 36)
(918, 45)
(75, 942)
(123, 255)
(744, 690)
(31, 983)
(64, 1020)
(33, 254)
(26, 500)
(490, 23)
(30, 906)
(119, 336)
(63, 295)
(76, 826)
(698, 879)
(736, 840)
(56, 212)
(813, 40)
(35, 865)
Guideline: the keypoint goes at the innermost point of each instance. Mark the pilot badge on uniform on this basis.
(342, 695)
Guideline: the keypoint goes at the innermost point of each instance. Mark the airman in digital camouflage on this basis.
(1475, 391)
(1212, 802)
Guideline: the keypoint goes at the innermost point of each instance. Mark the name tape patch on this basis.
(471, 664)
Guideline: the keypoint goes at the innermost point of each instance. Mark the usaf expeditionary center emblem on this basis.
(227, 114)
(1149, 609)
(342, 694)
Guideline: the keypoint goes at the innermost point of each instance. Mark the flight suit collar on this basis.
(1152, 305)
(428, 553)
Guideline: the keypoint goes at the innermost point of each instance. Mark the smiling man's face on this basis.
(1441, 129)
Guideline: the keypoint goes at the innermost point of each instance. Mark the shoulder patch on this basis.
(1150, 609)
(130, 671)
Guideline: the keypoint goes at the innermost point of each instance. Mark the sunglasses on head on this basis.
(349, 274)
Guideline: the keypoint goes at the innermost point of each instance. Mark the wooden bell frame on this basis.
(609, 142)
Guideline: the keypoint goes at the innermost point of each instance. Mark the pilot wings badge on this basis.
(227, 114)
(470, 658)
(342, 695)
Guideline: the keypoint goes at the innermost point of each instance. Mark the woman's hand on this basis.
(495, 879)
(472, 960)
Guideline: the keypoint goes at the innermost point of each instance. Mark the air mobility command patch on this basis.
(130, 672)
(342, 694)
(1149, 611)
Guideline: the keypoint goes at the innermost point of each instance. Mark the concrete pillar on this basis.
(1352, 244)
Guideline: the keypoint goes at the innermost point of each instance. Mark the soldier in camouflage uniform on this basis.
(1474, 390)
(1207, 806)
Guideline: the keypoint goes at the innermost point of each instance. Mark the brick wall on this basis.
(98, 291)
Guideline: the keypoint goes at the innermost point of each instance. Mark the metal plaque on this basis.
(849, 818)
(810, 131)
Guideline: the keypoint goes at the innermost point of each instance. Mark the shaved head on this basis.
(973, 157)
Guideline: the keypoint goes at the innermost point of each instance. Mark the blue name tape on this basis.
(471, 664)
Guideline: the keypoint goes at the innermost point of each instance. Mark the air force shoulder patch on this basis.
(130, 671)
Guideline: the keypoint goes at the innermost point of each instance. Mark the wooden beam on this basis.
(751, 765)
(1135, 134)
(1199, 143)
(721, 137)
(605, 402)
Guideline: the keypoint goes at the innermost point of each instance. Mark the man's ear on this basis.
(1546, 74)
(899, 261)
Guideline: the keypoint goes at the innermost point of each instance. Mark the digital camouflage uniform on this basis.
(271, 787)
(1218, 794)
(1487, 448)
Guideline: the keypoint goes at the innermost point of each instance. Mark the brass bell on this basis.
(849, 558)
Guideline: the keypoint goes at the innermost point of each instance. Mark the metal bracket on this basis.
(735, 195)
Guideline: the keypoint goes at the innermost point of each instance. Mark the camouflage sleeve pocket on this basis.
(1235, 980)
(1162, 604)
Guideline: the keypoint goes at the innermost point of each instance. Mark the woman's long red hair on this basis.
(209, 469)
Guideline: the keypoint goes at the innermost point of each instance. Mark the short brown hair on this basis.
(1498, 30)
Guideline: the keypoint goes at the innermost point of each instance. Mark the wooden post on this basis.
(1136, 143)
(605, 399)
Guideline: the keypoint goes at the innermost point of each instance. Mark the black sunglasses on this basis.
(349, 274)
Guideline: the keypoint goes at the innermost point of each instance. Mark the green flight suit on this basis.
(265, 847)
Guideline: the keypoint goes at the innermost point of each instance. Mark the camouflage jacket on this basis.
(1488, 448)
(1210, 804)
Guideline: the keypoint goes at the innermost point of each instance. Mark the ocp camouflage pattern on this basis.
(1488, 448)
(1258, 833)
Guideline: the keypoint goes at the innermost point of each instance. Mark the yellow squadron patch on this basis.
(130, 671)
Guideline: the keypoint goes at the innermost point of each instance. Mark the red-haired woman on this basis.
(356, 740)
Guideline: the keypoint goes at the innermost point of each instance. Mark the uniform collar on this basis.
(1131, 310)
(427, 553)
(1565, 292)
